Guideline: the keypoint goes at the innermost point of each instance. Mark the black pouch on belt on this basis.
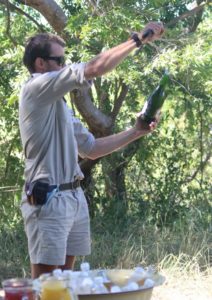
(37, 193)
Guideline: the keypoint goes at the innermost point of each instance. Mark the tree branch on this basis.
(51, 11)
(201, 167)
(6, 189)
(197, 18)
(186, 15)
(96, 120)
(86, 165)
(8, 24)
(12, 7)
(102, 95)
(94, 7)
(119, 101)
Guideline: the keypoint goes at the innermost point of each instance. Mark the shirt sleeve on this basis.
(85, 139)
(52, 86)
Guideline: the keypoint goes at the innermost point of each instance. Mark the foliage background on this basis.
(160, 185)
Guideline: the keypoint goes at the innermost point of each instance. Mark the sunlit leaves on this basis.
(161, 167)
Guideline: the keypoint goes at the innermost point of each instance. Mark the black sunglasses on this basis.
(60, 60)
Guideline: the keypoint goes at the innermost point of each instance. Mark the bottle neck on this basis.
(164, 80)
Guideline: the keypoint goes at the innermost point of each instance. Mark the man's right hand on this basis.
(106, 61)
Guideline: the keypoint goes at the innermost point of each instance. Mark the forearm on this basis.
(108, 60)
(109, 144)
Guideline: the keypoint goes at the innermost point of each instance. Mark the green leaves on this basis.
(167, 169)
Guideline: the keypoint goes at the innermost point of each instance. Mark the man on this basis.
(54, 208)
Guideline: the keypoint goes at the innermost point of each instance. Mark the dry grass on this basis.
(190, 287)
(184, 257)
(184, 280)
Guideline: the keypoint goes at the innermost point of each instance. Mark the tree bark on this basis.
(114, 173)
(52, 12)
(99, 123)
(197, 17)
(189, 13)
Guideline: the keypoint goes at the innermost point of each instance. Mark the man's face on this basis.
(54, 62)
(57, 51)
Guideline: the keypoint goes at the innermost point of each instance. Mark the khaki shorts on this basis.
(60, 227)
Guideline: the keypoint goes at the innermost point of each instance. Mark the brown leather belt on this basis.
(38, 193)
(65, 186)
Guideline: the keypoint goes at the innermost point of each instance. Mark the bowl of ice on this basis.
(107, 284)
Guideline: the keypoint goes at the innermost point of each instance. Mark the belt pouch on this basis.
(37, 192)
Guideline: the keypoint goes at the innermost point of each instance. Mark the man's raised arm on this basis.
(108, 60)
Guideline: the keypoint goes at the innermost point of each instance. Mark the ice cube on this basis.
(148, 283)
(138, 274)
(131, 286)
(57, 273)
(85, 267)
(86, 286)
(115, 289)
(98, 286)
(67, 274)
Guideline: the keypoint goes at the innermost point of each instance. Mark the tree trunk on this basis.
(114, 167)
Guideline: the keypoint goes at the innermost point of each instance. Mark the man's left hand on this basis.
(144, 127)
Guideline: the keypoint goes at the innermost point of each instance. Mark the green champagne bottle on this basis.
(155, 101)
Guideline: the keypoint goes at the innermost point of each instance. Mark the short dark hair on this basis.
(39, 46)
